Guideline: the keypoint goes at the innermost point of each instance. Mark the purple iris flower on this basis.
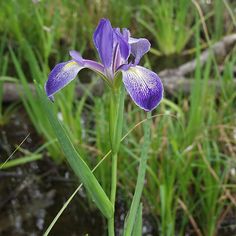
(119, 52)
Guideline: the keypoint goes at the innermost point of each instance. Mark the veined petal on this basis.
(93, 65)
(144, 86)
(138, 48)
(103, 40)
(61, 75)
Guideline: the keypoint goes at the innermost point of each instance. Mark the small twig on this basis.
(216, 177)
(227, 141)
(223, 215)
(193, 222)
(14, 151)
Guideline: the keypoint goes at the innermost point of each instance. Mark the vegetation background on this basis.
(190, 184)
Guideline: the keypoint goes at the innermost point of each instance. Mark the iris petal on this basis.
(124, 47)
(61, 75)
(138, 48)
(93, 65)
(103, 40)
(126, 34)
(77, 57)
(121, 50)
(144, 86)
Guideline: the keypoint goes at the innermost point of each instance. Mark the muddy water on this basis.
(32, 194)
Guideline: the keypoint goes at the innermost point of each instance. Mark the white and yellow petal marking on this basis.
(61, 75)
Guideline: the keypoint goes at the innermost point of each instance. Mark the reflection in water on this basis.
(32, 194)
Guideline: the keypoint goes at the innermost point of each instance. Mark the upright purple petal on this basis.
(103, 40)
(121, 50)
(61, 75)
(126, 34)
(138, 48)
(124, 46)
(144, 86)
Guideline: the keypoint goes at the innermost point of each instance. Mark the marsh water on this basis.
(32, 194)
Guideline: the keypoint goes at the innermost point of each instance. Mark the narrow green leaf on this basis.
(76, 162)
(130, 218)
(137, 231)
(20, 161)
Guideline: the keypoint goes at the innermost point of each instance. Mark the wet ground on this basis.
(32, 194)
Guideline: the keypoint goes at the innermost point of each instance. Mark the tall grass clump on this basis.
(169, 23)
(5, 112)
(221, 20)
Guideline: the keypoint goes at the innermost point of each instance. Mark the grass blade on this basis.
(137, 231)
(76, 162)
(130, 219)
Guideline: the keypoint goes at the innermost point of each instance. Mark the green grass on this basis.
(5, 113)
(169, 23)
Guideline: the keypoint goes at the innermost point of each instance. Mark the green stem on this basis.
(114, 178)
(111, 230)
(130, 219)
(113, 193)
(116, 124)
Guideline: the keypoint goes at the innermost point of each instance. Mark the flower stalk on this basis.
(116, 125)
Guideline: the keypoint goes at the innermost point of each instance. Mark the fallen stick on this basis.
(173, 85)
(174, 80)
(219, 50)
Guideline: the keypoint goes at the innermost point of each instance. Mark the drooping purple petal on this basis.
(138, 48)
(103, 40)
(77, 57)
(61, 75)
(93, 65)
(144, 86)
